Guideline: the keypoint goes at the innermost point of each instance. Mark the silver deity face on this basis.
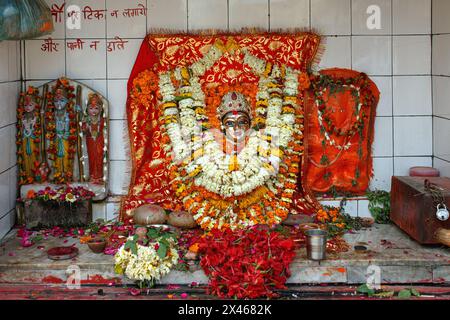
(60, 100)
(236, 124)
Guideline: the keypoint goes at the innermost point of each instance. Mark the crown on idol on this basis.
(233, 102)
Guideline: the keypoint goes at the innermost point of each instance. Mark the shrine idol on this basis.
(234, 114)
(29, 135)
(61, 131)
(95, 143)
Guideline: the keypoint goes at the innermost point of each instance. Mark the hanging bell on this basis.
(442, 212)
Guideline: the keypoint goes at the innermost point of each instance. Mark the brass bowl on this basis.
(97, 245)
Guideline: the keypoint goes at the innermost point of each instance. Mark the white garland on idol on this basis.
(211, 167)
(328, 139)
(146, 264)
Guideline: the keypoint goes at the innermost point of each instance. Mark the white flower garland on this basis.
(146, 265)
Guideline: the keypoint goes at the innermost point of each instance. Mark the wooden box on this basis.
(48, 214)
(413, 209)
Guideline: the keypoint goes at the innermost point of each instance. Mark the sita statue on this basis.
(93, 127)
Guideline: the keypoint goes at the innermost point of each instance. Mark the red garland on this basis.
(248, 263)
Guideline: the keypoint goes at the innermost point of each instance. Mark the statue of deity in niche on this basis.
(93, 128)
(29, 135)
(61, 131)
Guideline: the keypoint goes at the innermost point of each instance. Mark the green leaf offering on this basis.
(404, 294)
(162, 250)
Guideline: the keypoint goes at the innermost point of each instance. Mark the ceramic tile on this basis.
(289, 14)
(382, 145)
(160, 10)
(441, 96)
(13, 194)
(383, 171)
(44, 64)
(441, 136)
(216, 17)
(5, 146)
(126, 18)
(337, 53)
(117, 96)
(412, 96)
(4, 61)
(98, 211)
(363, 209)
(403, 164)
(6, 223)
(331, 17)
(363, 15)
(248, 14)
(92, 23)
(441, 55)
(441, 22)
(411, 16)
(119, 146)
(384, 84)
(87, 60)
(112, 210)
(13, 61)
(121, 59)
(442, 166)
(372, 54)
(412, 55)
(119, 177)
(5, 205)
(412, 136)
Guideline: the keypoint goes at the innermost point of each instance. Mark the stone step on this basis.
(391, 254)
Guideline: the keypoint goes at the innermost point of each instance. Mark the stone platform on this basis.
(400, 259)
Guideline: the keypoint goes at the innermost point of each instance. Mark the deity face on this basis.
(60, 100)
(29, 104)
(94, 106)
(236, 124)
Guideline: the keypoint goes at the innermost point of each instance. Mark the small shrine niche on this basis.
(62, 138)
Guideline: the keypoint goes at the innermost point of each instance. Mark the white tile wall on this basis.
(441, 138)
(412, 96)
(360, 17)
(331, 17)
(384, 85)
(413, 136)
(289, 14)
(412, 16)
(402, 164)
(383, 169)
(212, 14)
(372, 54)
(441, 22)
(88, 63)
(442, 166)
(9, 91)
(248, 14)
(441, 86)
(412, 55)
(441, 96)
(337, 52)
(160, 10)
(382, 146)
(441, 54)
